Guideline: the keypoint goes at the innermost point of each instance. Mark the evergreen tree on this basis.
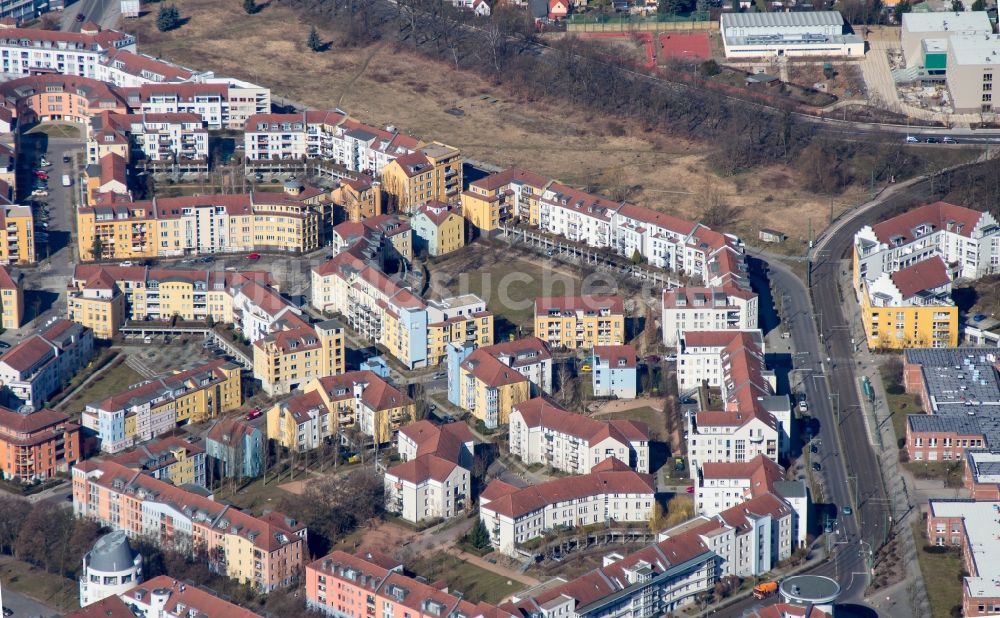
(979, 5)
(250, 6)
(479, 537)
(168, 18)
(314, 41)
(97, 249)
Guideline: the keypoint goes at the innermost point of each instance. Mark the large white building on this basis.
(800, 33)
(110, 568)
(727, 307)
(753, 420)
(699, 360)
(40, 365)
(25, 51)
(611, 492)
(968, 240)
(331, 136)
(434, 479)
(925, 35)
(541, 432)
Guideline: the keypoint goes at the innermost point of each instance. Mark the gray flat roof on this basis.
(947, 21)
(814, 588)
(782, 20)
(976, 49)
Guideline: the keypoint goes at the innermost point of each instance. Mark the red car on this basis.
(42, 175)
(253, 256)
(254, 413)
(690, 489)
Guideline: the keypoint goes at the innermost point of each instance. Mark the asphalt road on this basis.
(103, 12)
(23, 607)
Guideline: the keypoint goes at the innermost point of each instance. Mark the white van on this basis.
(66, 181)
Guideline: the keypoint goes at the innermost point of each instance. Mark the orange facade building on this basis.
(36, 445)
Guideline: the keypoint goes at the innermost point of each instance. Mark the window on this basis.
(987, 98)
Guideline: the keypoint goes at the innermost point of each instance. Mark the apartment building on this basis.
(529, 356)
(49, 97)
(727, 307)
(542, 432)
(331, 136)
(176, 460)
(434, 480)
(381, 238)
(265, 552)
(11, 299)
(503, 197)
(489, 388)
(164, 227)
(163, 597)
(904, 247)
(208, 101)
(155, 406)
(157, 137)
(580, 322)
(243, 100)
(26, 51)
(699, 357)
(286, 359)
(416, 332)
(360, 198)
(971, 526)
(128, 69)
(438, 229)
(17, 245)
(368, 584)
(106, 180)
(432, 173)
(36, 445)
(235, 448)
(614, 372)
(752, 420)
(611, 492)
(329, 406)
(41, 364)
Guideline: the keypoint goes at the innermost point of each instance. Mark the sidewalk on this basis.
(884, 440)
(492, 568)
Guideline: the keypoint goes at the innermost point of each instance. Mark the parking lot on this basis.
(159, 356)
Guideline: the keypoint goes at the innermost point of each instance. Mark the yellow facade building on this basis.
(287, 222)
(433, 172)
(171, 459)
(513, 193)
(360, 198)
(17, 244)
(334, 406)
(286, 360)
(489, 389)
(437, 229)
(97, 303)
(11, 299)
(580, 322)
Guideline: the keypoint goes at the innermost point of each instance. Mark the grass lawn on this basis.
(901, 406)
(46, 588)
(653, 418)
(57, 130)
(475, 583)
(941, 575)
(256, 495)
(111, 382)
(948, 471)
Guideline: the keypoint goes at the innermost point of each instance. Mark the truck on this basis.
(764, 589)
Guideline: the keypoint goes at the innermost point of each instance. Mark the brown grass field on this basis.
(382, 85)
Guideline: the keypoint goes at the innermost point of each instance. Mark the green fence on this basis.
(662, 23)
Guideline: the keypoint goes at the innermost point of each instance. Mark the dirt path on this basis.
(493, 568)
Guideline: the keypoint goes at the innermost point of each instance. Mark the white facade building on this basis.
(433, 481)
(801, 33)
(615, 372)
(40, 365)
(110, 568)
(727, 307)
(24, 51)
(699, 358)
(541, 432)
(612, 492)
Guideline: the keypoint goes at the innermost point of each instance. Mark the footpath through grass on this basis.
(475, 583)
(111, 382)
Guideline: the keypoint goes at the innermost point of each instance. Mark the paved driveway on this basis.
(24, 607)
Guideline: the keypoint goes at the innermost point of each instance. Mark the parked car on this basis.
(847, 510)
(816, 466)
(4, 345)
(43, 162)
(40, 192)
(253, 257)
(912, 140)
(67, 159)
(932, 140)
(949, 140)
(979, 317)
(41, 174)
(254, 413)
(80, 17)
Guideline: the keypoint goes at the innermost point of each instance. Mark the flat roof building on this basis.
(805, 33)
(920, 27)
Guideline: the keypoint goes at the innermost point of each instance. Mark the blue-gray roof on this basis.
(111, 553)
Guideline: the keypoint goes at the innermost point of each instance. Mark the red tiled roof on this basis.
(423, 468)
(113, 168)
(709, 338)
(926, 275)
(490, 371)
(137, 63)
(536, 497)
(540, 412)
(109, 607)
(229, 430)
(6, 280)
(39, 420)
(188, 595)
(654, 217)
(616, 354)
(506, 177)
(672, 296)
(760, 472)
(377, 395)
(24, 355)
(437, 212)
(939, 216)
